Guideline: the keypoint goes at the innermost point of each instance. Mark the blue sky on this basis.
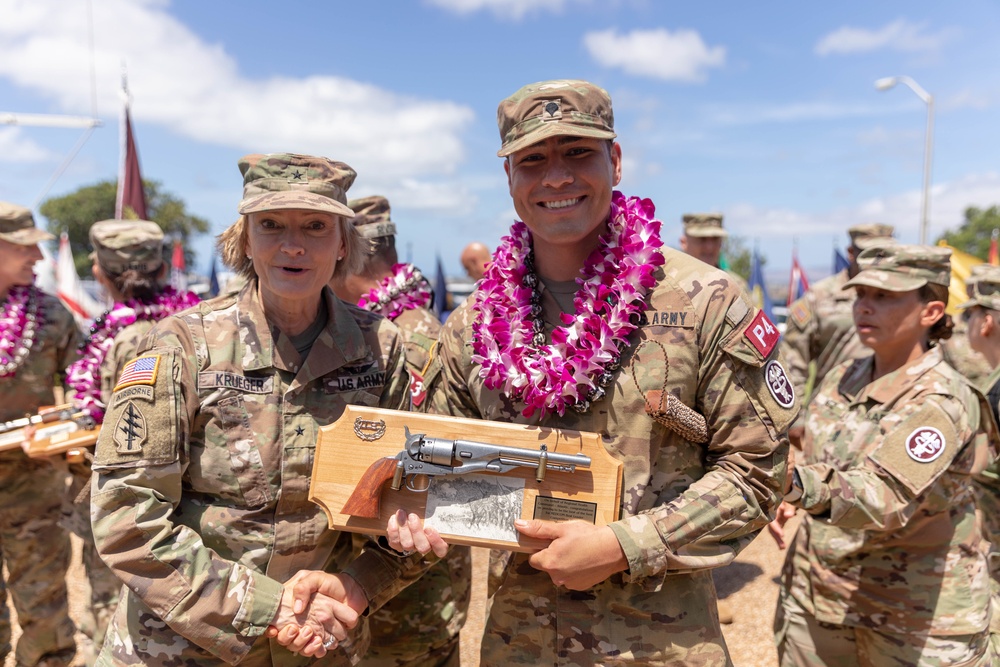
(765, 111)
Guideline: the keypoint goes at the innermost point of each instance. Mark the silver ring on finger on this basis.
(330, 644)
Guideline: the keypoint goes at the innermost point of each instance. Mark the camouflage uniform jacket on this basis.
(686, 507)
(420, 331)
(820, 328)
(202, 473)
(892, 540)
(121, 352)
(31, 386)
(53, 350)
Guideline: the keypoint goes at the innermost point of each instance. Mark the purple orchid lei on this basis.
(20, 320)
(572, 371)
(84, 374)
(404, 290)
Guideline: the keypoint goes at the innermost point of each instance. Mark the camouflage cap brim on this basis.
(544, 130)
(300, 200)
(707, 233)
(889, 281)
(968, 304)
(27, 236)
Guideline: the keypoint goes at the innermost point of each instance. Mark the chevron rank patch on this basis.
(141, 370)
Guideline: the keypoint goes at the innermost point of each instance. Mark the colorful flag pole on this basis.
(798, 284)
(69, 289)
(994, 256)
(213, 278)
(840, 262)
(758, 290)
(130, 204)
(440, 290)
(178, 270)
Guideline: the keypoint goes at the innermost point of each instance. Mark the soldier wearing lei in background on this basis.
(421, 625)
(580, 321)
(890, 557)
(128, 264)
(38, 340)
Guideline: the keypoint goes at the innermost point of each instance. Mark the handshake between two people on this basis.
(319, 609)
(322, 608)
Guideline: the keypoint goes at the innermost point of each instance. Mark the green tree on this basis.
(76, 212)
(973, 235)
(739, 258)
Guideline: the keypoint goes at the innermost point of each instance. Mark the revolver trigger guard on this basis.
(411, 487)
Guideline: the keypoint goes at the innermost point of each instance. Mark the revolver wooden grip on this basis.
(366, 498)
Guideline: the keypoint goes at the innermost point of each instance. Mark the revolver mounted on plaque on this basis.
(427, 457)
(53, 431)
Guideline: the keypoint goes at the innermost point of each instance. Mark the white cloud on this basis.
(799, 111)
(681, 55)
(900, 35)
(948, 202)
(16, 148)
(504, 9)
(195, 89)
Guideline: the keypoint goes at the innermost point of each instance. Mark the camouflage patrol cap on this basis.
(17, 225)
(869, 233)
(122, 245)
(983, 287)
(704, 225)
(552, 108)
(288, 181)
(371, 217)
(901, 268)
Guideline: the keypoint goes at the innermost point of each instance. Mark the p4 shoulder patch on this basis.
(762, 334)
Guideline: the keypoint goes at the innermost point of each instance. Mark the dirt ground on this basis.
(749, 586)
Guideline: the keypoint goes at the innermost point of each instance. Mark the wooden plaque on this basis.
(475, 509)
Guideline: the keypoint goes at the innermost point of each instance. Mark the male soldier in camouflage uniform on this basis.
(889, 559)
(200, 494)
(640, 589)
(474, 259)
(35, 549)
(703, 237)
(982, 317)
(421, 625)
(820, 326)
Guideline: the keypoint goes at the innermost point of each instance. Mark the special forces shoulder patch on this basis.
(918, 449)
(777, 383)
(130, 430)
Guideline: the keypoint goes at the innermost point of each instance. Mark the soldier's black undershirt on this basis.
(303, 342)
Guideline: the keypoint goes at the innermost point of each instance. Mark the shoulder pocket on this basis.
(919, 449)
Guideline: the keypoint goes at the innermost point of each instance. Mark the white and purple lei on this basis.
(405, 289)
(20, 320)
(571, 370)
(84, 374)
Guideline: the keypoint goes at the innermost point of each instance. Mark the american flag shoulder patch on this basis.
(141, 370)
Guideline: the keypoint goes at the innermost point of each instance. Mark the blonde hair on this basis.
(232, 247)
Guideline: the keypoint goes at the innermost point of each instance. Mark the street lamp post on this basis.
(889, 82)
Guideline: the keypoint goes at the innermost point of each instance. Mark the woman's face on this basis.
(294, 252)
(888, 321)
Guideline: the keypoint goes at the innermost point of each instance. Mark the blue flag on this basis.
(440, 291)
(839, 261)
(758, 291)
(213, 279)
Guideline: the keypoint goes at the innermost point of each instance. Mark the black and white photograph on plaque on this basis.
(482, 506)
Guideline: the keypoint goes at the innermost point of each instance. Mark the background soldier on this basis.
(38, 340)
(703, 237)
(421, 625)
(820, 326)
(475, 257)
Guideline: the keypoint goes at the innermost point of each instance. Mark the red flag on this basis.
(131, 200)
(798, 284)
(68, 287)
(178, 271)
(994, 256)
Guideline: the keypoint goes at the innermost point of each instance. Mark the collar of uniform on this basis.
(256, 344)
(888, 387)
(341, 343)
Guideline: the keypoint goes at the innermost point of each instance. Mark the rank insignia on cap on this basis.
(779, 386)
(925, 444)
(552, 110)
(130, 430)
(141, 370)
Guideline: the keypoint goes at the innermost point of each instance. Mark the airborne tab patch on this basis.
(141, 370)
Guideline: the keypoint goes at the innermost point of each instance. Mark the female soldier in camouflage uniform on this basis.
(202, 470)
(38, 339)
(128, 264)
(888, 566)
